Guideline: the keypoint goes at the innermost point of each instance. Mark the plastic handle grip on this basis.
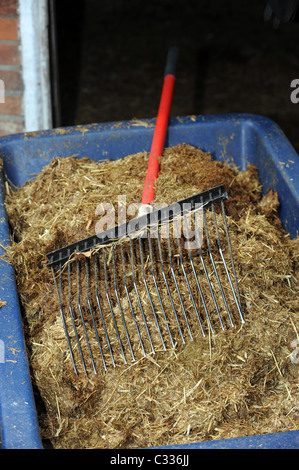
(172, 61)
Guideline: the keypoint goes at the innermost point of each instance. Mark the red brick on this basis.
(11, 127)
(8, 7)
(12, 80)
(9, 29)
(9, 54)
(12, 106)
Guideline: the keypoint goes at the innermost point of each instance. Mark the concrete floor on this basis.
(112, 56)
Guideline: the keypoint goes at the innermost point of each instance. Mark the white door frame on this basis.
(35, 64)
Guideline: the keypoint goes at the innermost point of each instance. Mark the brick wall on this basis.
(11, 110)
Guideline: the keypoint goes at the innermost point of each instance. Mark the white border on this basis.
(35, 64)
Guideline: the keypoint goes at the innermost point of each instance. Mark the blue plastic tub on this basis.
(236, 137)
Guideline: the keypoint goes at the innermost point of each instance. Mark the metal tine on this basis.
(91, 313)
(215, 269)
(156, 285)
(129, 299)
(167, 286)
(223, 259)
(186, 279)
(110, 306)
(100, 308)
(59, 295)
(208, 279)
(82, 317)
(148, 292)
(194, 270)
(138, 296)
(73, 317)
(233, 264)
(175, 280)
(119, 303)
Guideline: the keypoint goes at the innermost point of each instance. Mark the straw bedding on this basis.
(241, 381)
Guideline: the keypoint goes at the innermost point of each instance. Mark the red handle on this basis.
(158, 138)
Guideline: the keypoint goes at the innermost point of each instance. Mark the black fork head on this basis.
(170, 278)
